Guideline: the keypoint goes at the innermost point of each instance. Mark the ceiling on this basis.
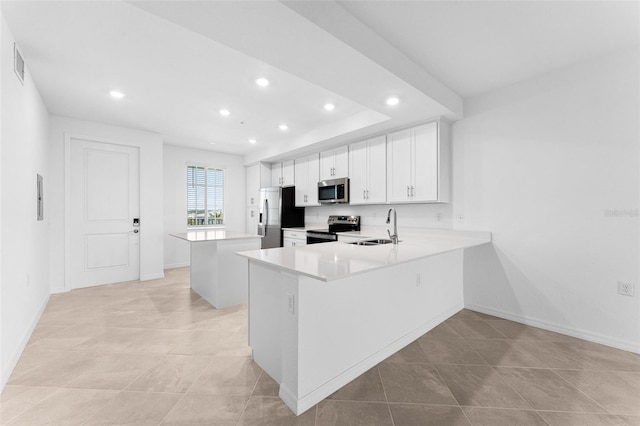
(179, 62)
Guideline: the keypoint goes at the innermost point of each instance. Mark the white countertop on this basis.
(332, 261)
(213, 235)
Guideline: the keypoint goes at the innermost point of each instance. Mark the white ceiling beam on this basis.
(337, 21)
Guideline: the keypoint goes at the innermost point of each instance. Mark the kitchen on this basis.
(539, 158)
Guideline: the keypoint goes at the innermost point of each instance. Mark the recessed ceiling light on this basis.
(116, 94)
(329, 107)
(252, 141)
(212, 143)
(262, 82)
(283, 127)
(224, 112)
(392, 101)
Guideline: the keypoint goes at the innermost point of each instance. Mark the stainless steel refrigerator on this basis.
(277, 211)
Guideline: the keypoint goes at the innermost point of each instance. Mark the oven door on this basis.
(320, 237)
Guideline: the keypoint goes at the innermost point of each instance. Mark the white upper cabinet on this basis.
(258, 176)
(306, 177)
(282, 174)
(334, 163)
(418, 164)
(367, 171)
(252, 220)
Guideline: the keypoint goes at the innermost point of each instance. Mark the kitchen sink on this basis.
(375, 242)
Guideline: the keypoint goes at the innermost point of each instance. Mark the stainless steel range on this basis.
(336, 224)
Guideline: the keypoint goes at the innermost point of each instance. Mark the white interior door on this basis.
(103, 200)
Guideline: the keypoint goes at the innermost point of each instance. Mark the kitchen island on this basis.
(321, 315)
(217, 274)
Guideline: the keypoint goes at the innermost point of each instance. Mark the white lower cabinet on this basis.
(367, 168)
(294, 238)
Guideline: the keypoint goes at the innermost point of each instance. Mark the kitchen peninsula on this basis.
(321, 315)
(217, 274)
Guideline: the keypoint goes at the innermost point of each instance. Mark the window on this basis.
(205, 196)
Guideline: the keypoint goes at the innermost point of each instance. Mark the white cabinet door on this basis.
(276, 174)
(399, 165)
(288, 178)
(418, 164)
(334, 163)
(425, 161)
(252, 220)
(313, 174)
(326, 165)
(282, 174)
(341, 162)
(253, 185)
(367, 170)
(358, 178)
(301, 167)
(377, 170)
(306, 178)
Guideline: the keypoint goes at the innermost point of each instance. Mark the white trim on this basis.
(58, 290)
(177, 265)
(624, 345)
(149, 277)
(15, 356)
(68, 136)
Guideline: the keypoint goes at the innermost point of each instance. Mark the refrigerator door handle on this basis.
(266, 214)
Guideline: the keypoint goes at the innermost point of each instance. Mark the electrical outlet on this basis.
(625, 288)
(438, 217)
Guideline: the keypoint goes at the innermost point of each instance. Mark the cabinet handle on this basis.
(364, 194)
(367, 194)
(408, 192)
(412, 192)
(251, 200)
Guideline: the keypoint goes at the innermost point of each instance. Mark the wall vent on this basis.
(18, 64)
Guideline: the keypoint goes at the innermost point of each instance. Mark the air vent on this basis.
(18, 63)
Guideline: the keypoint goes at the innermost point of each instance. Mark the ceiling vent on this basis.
(18, 64)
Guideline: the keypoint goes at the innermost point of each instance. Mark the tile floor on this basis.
(150, 353)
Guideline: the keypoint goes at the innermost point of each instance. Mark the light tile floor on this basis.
(150, 353)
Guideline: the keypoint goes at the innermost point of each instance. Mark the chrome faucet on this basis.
(394, 237)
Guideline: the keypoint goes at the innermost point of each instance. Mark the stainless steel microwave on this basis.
(333, 191)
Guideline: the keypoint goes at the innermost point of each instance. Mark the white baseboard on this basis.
(302, 404)
(58, 290)
(547, 325)
(152, 276)
(15, 356)
(177, 265)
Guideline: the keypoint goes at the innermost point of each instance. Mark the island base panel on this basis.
(335, 331)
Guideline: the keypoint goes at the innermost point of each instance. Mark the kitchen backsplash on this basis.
(409, 215)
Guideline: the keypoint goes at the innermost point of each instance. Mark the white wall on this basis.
(151, 203)
(176, 252)
(540, 164)
(24, 243)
